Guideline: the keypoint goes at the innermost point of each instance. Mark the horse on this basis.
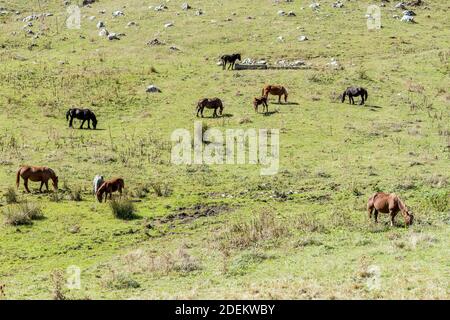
(98, 181)
(388, 203)
(275, 90)
(108, 187)
(214, 103)
(42, 174)
(81, 114)
(260, 101)
(231, 59)
(354, 92)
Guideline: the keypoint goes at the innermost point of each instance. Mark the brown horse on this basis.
(109, 187)
(388, 203)
(260, 101)
(42, 174)
(214, 103)
(275, 90)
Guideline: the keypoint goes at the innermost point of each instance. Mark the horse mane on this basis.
(401, 204)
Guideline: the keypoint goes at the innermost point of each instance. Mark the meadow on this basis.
(225, 231)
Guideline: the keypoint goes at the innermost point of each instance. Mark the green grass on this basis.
(333, 156)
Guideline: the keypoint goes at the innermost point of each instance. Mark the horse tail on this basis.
(366, 95)
(18, 178)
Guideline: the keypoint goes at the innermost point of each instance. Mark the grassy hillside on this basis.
(225, 231)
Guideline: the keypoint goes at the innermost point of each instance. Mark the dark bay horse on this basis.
(260, 101)
(231, 59)
(81, 114)
(275, 90)
(42, 174)
(110, 186)
(388, 203)
(355, 92)
(214, 103)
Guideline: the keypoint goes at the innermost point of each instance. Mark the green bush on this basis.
(11, 196)
(22, 214)
(123, 209)
(438, 200)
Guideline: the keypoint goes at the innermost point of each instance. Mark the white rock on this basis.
(152, 89)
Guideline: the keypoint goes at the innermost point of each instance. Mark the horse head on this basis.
(238, 56)
(94, 121)
(55, 182)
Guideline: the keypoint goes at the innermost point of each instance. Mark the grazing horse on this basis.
(260, 101)
(388, 203)
(231, 59)
(81, 114)
(109, 187)
(98, 181)
(354, 92)
(275, 90)
(42, 174)
(214, 103)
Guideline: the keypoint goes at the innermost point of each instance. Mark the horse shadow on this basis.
(225, 115)
(269, 113)
(286, 103)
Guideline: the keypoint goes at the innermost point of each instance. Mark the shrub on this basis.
(57, 277)
(438, 200)
(120, 281)
(123, 209)
(161, 189)
(75, 195)
(264, 226)
(11, 196)
(22, 214)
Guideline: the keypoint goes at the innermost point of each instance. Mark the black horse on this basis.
(82, 114)
(354, 92)
(231, 59)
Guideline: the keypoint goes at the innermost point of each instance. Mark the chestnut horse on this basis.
(388, 203)
(275, 90)
(214, 103)
(260, 101)
(42, 174)
(109, 187)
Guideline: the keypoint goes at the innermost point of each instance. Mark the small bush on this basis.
(161, 189)
(75, 195)
(123, 209)
(120, 281)
(11, 196)
(22, 214)
(265, 226)
(57, 278)
(55, 197)
(438, 200)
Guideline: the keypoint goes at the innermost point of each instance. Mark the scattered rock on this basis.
(173, 48)
(303, 38)
(407, 18)
(103, 33)
(161, 7)
(409, 13)
(100, 25)
(88, 2)
(91, 18)
(337, 4)
(118, 14)
(152, 89)
(400, 5)
(199, 12)
(334, 64)
(291, 14)
(185, 6)
(131, 24)
(280, 39)
(314, 6)
(113, 36)
(281, 13)
(155, 42)
(168, 25)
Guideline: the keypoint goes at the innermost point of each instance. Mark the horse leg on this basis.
(89, 123)
(25, 183)
(279, 98)
(215, 113)
(392, 214)
(82, 123)
(46, 185)
(362, 100)
(370, 210)
(40, 189)
(201, 112)
(376, 215)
